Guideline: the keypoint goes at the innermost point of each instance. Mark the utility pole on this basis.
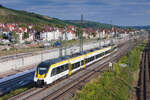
(100, 38)
(81, 34)
(111, 44)
(129, 48)
(65, 43)
(60, 47)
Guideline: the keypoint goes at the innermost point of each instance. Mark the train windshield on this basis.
(42, 69)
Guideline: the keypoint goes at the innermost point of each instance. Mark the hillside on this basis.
(17, 16)
(89, 24)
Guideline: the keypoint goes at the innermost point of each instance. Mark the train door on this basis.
(70, 68)
(57, 73)
(84, 63)
(62, 68)
(53, 74)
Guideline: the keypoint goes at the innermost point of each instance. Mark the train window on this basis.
(89, 60)
(106, 52)
(58, 70)
(82, 62)
(92, 58)
(86, 60)
(62, 68)
(66, 67)
(97, 56)
(75, 65)
(103, 53)
(53, 72)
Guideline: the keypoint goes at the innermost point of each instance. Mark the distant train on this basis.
(51, 70)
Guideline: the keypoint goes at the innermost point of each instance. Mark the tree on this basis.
(1, 5)
(26, 35)
(23, 25)
(1, 36)
(79, 32)
(38, 28)
(14, 37)
(94, 34)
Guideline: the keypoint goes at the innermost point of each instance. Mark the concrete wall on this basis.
(21, 62)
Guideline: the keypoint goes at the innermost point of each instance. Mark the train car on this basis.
(51, 70)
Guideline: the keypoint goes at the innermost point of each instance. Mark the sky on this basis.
(118, 12)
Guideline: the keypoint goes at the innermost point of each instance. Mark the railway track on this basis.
(66, 93)
(77, 84)
(145, 74)
(60, 84)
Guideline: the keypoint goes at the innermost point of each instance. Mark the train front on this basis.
(41, 74)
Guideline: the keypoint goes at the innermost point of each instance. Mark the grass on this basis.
(15, 92)
(116, 85)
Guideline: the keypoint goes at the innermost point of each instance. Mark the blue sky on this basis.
(119, 12)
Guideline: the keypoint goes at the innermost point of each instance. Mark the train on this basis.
(51, 70)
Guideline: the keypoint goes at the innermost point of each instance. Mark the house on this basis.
(57, 33)
(46, 36)
(31, 36)
(49, 34)
(105, 33)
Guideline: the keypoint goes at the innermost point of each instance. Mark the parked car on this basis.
(57, 44)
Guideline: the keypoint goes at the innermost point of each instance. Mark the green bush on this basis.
(27, 42)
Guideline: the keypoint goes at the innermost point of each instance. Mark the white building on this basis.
(48, 36)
